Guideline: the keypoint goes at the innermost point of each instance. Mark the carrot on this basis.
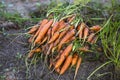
(62, 33)
(64, 54)
(44, 40)
(62, 26)
(81, 28)
(74, 60)
(61, 22)
(65, 38)
(86, 32)
(30, 39)
(43, 31)
(55, 27)
(71, 39)
(71, 19)
(49, 33)
(54, 37)
(77, 66)
(33, 29)
(95, 28)
(66, 64)
(44, 21)
(94, 40)
(33, 51)
(84, 49)
(90, 37)
(50, 47)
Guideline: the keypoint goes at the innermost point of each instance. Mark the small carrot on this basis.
(77, 67)
(64, 54)
(74, 60)
(94, 40)
(44, 40)
(62, 33)
(65, 38)
(30, 39)
(84, 49)
(71, 19)
(81, 28)
(55, 27)
(43, 31)
(71, 39)
(66, 64)
(95, 28)
(86, 32)
(62, 26)
(54, 37)
(49, 33)
(43, 22)
(33, 29)
(50, 47)
(33, 51)
(90, 37)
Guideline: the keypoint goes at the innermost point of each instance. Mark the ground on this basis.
(13, 51)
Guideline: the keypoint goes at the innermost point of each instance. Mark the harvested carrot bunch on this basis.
(58, 39)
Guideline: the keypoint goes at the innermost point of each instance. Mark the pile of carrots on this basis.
(56, 39)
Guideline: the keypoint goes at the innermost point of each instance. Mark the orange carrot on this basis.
(95, 28)
(71, 39)
(71, 19)
(66, 64)
(44, 21)
(90, 37)
(33, 51)
(30, 39)
(55, 27)
(54, 37)
(44, 40)
(49, 33)
(65, 38)
(86, 32)
(62, 26)
(33, 29)
(64, 54)
(43, 31)
(84, 49)
(62, 33)
(77, 66)
(74, 60)
(94, 40)
(50, 47)
(81, 28)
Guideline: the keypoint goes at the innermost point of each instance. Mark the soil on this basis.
(13, 53)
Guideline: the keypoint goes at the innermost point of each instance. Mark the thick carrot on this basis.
(44, 21)
(77, 66)
(66, 64)
(86, 32)
(95, 28)
(33, 51)
(55, 27)
(65, 38)
(74, 60)
(90, 37)
(54, 37)
(61, 22)
(64, 54)
(43, 31)
(33, 29)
